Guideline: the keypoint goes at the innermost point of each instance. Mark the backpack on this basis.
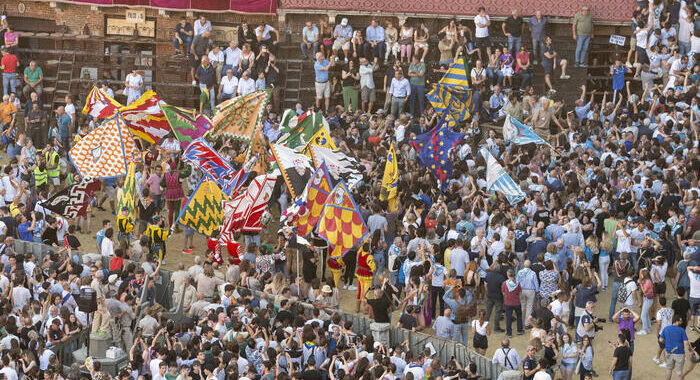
(622, 293)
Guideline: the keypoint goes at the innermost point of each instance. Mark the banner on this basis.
(203, 156)
(186, 123)
(341, 223)
(106, 151)
(128, 196)
(296, 168)
(435, 151)
(145, 118)
(203, 211)
(239, 117)
(313, 200)
(73, 200)
(99, 105)
(246, 210)
(340, 165)
(498, 180)
(238, 6)
(519, 133)
(298, 131)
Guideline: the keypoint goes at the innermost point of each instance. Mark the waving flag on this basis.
(322, 138)
(297, 131)
(203, 156)
(498, 180)
(73, 200)
(452, 95)
(99, 105)
(435, 154)
(203, 211)
(296, 168)
(244, 212)
(313, 199)
(145, 118)
(390, 181)
(340, 165)
(239, 117)
(341, 224)
(106, 151)
(128, 196)
(519, 133)
(186, 123)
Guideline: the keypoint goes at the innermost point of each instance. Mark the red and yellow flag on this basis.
(145, 118)
(317, 191)
(99, 105)
(341, 224)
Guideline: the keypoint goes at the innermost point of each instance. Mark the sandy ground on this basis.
(645, 346)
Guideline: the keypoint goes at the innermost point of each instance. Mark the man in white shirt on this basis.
(107, 246)
(482, 22)
(507, 356)
(624, 240)
(367, 88)
(246, 85)
(9, 372)
(70, 108)
(201, 25)
(20, 297)
(229, 84)
(233, 57)
(216, 59)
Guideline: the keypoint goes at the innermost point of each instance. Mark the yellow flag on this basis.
(390, 181)
(321, 138)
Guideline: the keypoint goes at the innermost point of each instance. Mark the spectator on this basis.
(11, 39)
(216, 60)
(134, 86)
(621, 366)
(233, 58)
(406, 42)
(537, 25)
(246, 35)
(443, 326)
(206, 76)
(416, 74)
(201, 45)
(309, 39)
(676, 341)
(9, 64)
(64, 126)
(33, 76)
(37, 128)
(482, 21)
(513, 29)
(246, 85)
(350, 77)
(183, 37)
(343, 36)
(582, 29)
(367, 87)
(511, 300)
(374, 45)
(524, 68)
(264, 34)
(202, 25)
(391, 39)
(550, 61)
(273, 75)
(420, 41)
(399, 90)
(323, 87)
(228, 86)
(445, 46)
(506, 356)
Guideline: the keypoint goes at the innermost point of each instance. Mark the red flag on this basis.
(99, 105)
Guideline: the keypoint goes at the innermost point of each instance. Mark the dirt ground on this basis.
(645, 346)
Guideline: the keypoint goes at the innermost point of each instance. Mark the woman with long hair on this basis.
(647, 289)
(586, 357)
(569, 354)
(605, 249)
(481, 330)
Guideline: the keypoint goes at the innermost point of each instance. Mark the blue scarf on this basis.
(511, 285)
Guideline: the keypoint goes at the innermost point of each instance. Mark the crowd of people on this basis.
(612, 208)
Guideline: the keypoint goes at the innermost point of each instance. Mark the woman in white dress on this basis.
(134, 86)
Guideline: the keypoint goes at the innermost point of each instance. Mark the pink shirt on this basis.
(154, 184)
(524, 58)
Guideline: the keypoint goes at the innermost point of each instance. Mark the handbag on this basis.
(577, 370)
(125, 92)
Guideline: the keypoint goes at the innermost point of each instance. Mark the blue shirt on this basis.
(24, 233)
(400, 88)
(562, 255)
(674, 338)
(496, 100)
(342, 32)
(582, 111)
(321, 75)
(618, 77)
(454, 305)
(374, 34)
(64, 125)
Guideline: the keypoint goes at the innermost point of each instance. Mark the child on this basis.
(260, 82)
(125, 225)
(665, 318)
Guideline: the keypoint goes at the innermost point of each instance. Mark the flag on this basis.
(203, 211)
(239, 178)
(239, 117)
(297, 131)
(145, 118)
(204, 157)
(257, 147)
(341, 224)
(73, 200)
(519, 133)
(99, 105)
(435, 153)
(296, 168)
(452, 95)
(312, 201)
(390, 181)
(244, 212)
(186, 123)
(128, 196)
(106, 151)
(322, 137)
(340, 165)
(498, 180)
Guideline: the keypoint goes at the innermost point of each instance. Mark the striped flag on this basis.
(186, 123)
(452, 94)
(128, 195)
(341, 223)
(244, 212)
(498, 180)
(145, 118)
(99, 105)
(340, 165)
(519, 133)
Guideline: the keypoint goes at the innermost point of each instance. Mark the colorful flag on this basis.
(99, 105)
(244, 212)
(322, 137)
(203, 211)
(297, 131)
(498, 180)
(128, 196)
(239, 117)
(258, 147)
(313, 199)
(106, 151)
(204, 157)
(296, 168)
(341, 224)
(519, 133)
(73, 200)
(435, 154)
(340, 165)
(186, 123)
(390, 181)
(452, 95)
(145, 118)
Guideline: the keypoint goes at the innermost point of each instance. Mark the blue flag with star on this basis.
(434, 150)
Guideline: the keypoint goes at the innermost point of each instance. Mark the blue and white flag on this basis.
(519, 133)
(498, 180)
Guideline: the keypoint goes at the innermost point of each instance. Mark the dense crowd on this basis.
(612, 206)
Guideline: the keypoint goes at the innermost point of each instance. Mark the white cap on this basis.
(344, 21)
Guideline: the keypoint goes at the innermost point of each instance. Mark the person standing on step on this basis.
(582, 29)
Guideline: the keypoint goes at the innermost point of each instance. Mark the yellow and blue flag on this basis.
(452, 95)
